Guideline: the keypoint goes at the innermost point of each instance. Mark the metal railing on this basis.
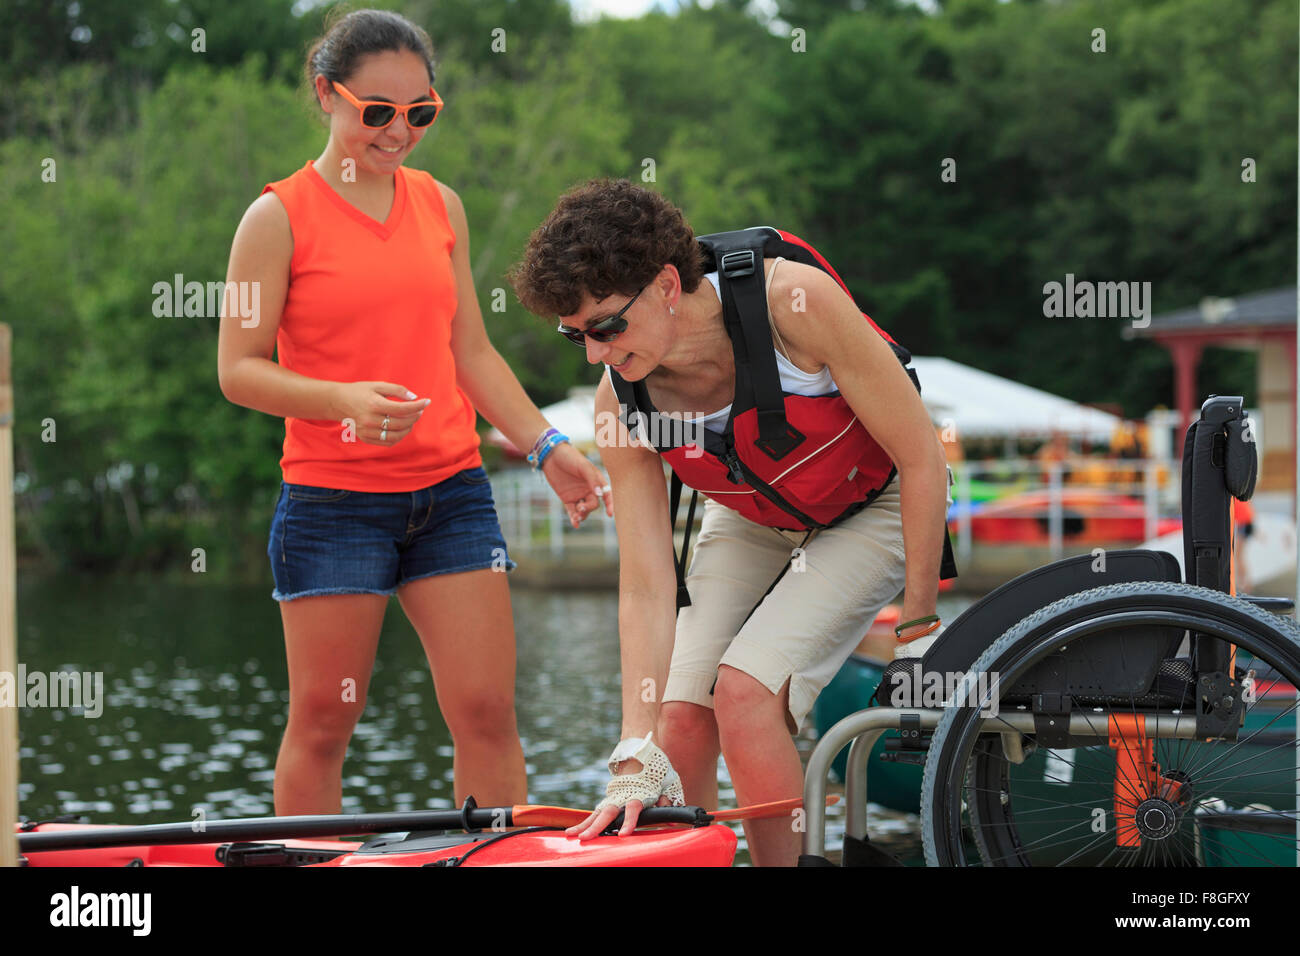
(1155, 482)
(533, 520)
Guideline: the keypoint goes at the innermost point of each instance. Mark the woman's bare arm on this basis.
(830, 330)
(647, 578)
(488, 381)
(260, 254)
(647, 592)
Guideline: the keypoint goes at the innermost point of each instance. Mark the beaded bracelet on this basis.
(546, 433)
(548, 446)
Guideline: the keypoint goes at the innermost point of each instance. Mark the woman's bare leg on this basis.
(465, 624)
(330, 642)
(688, 734)
(762, 760)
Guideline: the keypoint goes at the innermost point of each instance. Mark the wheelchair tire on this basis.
(1213, 819)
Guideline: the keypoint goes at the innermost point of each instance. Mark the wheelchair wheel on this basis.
(1161, 766)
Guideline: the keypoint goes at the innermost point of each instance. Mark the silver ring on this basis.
(384, 426)
(383, 434)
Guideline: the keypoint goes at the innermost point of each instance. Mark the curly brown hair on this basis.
(605, 237)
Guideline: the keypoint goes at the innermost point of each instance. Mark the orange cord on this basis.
(929, 630)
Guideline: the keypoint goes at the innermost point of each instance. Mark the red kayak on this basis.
(1088, 516)
(713, 845)
(472, 836)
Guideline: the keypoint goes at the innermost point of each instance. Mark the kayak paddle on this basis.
(469, 817)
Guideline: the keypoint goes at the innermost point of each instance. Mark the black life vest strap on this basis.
(774, 496)
(745, 311)
(948, 566)
(674, 502)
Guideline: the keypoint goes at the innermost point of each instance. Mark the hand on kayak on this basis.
(576, 481)
(599, 819)
(642, 777)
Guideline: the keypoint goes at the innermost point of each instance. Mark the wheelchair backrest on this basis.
(1219, 464)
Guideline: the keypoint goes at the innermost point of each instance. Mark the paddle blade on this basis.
(765, 811)
(540, 816)
(543, 816)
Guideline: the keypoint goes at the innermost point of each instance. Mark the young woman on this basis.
(366, 292)
(623, 271)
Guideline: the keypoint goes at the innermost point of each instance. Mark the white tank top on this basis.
(793, 379)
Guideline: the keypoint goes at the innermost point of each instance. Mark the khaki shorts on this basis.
(813, 619)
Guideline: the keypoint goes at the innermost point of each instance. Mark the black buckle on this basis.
(737, 265)
(778, 448)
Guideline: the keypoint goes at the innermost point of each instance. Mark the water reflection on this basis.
(196, 699)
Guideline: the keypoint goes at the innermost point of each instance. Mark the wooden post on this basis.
(8, 614)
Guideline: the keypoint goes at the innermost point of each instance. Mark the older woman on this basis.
(816, 455)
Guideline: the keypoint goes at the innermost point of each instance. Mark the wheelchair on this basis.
(1100, 710)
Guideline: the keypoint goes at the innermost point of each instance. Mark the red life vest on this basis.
(794, 462)
(822, 462)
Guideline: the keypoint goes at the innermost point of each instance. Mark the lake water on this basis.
(196, 696)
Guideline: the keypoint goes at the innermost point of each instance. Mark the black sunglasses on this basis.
(606, 330)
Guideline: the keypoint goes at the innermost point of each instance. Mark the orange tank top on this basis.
(373, 302)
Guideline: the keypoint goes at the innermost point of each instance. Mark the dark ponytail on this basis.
(351, 36)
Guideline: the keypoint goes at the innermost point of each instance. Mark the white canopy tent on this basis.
(981, 404)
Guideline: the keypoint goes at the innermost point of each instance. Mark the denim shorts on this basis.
(333, 541)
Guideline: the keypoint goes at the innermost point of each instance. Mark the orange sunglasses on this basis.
(378, 114)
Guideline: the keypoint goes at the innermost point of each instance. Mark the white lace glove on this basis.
(655, 778)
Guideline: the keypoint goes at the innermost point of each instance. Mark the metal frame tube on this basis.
(877, 719)
(863, 729)
(855, 783)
